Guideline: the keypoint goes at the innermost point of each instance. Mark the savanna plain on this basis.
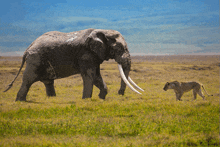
(154, 118)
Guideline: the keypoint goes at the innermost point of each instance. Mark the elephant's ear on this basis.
(96, 42)
(99, 42)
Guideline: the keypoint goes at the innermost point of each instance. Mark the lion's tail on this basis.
(22, 64)
(206, 91)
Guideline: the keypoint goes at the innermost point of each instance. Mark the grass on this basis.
(154, 118)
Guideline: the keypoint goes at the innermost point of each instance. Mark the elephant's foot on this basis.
(86, 97)
(50, 90)
(121, 92)
(51, 94)
(102, 94)
(21, 99)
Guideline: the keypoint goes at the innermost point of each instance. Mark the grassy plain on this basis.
(154, 118)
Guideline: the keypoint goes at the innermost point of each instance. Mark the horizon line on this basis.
(20, 54)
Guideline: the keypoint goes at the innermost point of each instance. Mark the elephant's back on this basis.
(48, 41)
(56, 39)
(53, 38)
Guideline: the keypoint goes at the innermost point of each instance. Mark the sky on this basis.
(150, 27)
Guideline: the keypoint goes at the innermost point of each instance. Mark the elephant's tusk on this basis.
(125, 79)
(133, 83)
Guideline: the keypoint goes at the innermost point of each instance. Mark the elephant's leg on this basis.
(88, 66)
(87, 86)
(123, 85)
(99, 83)
(49, 84)
(29, 77)
(22, 93)
(122, 89)
(88, 75)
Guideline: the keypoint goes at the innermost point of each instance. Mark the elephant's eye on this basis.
(112, 52)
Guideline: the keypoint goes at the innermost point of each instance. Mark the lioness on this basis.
(180, 88)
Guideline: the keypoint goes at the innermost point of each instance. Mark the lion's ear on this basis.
(168, 83)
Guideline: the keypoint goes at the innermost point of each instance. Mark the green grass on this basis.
(154, 118)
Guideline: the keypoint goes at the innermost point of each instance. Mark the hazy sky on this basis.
(149, 26)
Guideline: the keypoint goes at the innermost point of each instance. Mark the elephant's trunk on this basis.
(124, 64)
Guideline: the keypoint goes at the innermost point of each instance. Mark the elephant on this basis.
(56, 55)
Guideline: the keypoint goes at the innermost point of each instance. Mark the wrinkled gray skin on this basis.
(57, 55)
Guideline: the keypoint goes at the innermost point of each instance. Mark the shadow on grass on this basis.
(34, 102)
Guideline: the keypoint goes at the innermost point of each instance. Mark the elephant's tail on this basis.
(22, 64)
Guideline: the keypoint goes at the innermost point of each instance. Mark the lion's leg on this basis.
(194, 94)
(201, 94)
(178, 96)
(181, 94)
